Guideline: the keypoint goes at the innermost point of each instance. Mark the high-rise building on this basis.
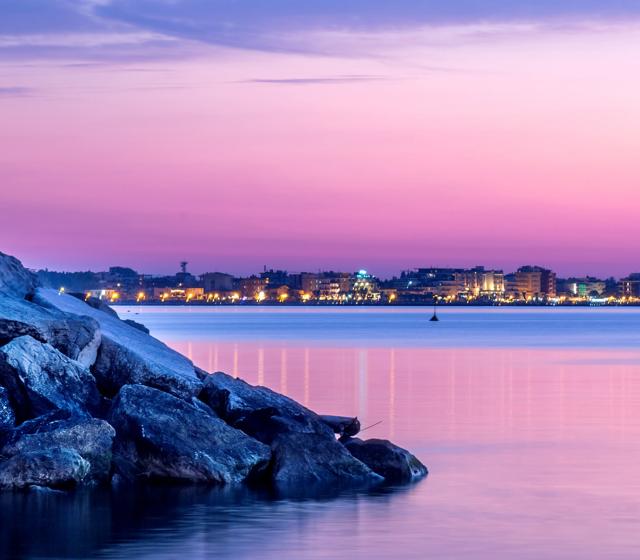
(535, 282)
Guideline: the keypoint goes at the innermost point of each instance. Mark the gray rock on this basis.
(78, 337)
(14, 278)
(161, 436)
(305, 449)
(96, 303)
(33, 426)
(388, 460)
(7, 416)
(92, 439)
(303, 459)
(261, 412)
(39, 379)
(128, 355)
(136, 325)
(53, 468)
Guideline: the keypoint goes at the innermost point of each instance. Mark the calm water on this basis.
(528, 419)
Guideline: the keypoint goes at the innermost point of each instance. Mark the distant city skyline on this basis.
(247, 271)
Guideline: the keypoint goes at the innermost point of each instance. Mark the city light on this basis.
(528, 285)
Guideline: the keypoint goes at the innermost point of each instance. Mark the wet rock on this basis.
(136, 325)
(39, 379)
(91, 438)
(52, 468)
(304, 447)
(33, 426)
(162, 437)
(96, 303)
(261, 412)
(14, 278)
(77, 337)
(342, 425)
(311, 459)
(7, 416)
(127, 355)
(388, 460)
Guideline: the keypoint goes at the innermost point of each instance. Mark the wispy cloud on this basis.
(137, 29)
(15, 91)
(315, 80)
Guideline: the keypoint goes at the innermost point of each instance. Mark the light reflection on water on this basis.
(529, 426)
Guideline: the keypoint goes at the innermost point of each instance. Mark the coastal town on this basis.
(528, 285)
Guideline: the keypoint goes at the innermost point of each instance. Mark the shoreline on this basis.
(129, 303)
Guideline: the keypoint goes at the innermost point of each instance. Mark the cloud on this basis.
(316, 80)
(15, 91)
(142, 29)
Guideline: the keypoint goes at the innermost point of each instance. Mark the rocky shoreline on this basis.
(87, 399)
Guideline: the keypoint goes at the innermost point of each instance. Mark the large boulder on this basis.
(52, 468)
(39, 379)
(78, 337)
(14, 278)
(312, 460)
(393, 463)
(91, 438)
(161, 436)
(305, 449)
(128, 355)
(7, 415)
(258, 410)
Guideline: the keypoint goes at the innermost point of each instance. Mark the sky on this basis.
(339, 134)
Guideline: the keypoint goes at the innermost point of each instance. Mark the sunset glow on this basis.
(435, 142)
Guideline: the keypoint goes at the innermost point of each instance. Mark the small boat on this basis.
(434, 317)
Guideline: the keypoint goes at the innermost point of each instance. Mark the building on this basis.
(584, 287)
(217, 282)
(534, 282)
(364, 287)
(178, 294)
(629, 287)
(480, 282)
(252, 287)
(310, 283)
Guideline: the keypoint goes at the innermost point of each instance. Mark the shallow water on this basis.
(528, 419)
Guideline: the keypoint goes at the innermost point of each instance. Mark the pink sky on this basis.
(452, 145)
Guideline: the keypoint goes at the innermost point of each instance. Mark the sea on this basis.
(528, 420)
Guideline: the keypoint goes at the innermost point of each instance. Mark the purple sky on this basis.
(333, 134)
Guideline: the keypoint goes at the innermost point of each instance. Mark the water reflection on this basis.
(444, 394)
(532, 446)
(159, 522)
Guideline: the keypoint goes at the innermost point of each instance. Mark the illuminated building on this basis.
(534, 282)
(252, 286)
(365, 287)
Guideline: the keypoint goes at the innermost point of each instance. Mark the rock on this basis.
(53, 468)
(342, 425)
(263, 413)
(77, 337)
(14, 278)
(161, 436)
(39, 379)
(301, 459)
(137, 325)
(128, 355)
(7, 416)
(304, 447)
(96, 303)
(92, 439)
(388, 460)
(33, 426)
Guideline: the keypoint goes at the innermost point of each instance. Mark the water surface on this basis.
(528, 419)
